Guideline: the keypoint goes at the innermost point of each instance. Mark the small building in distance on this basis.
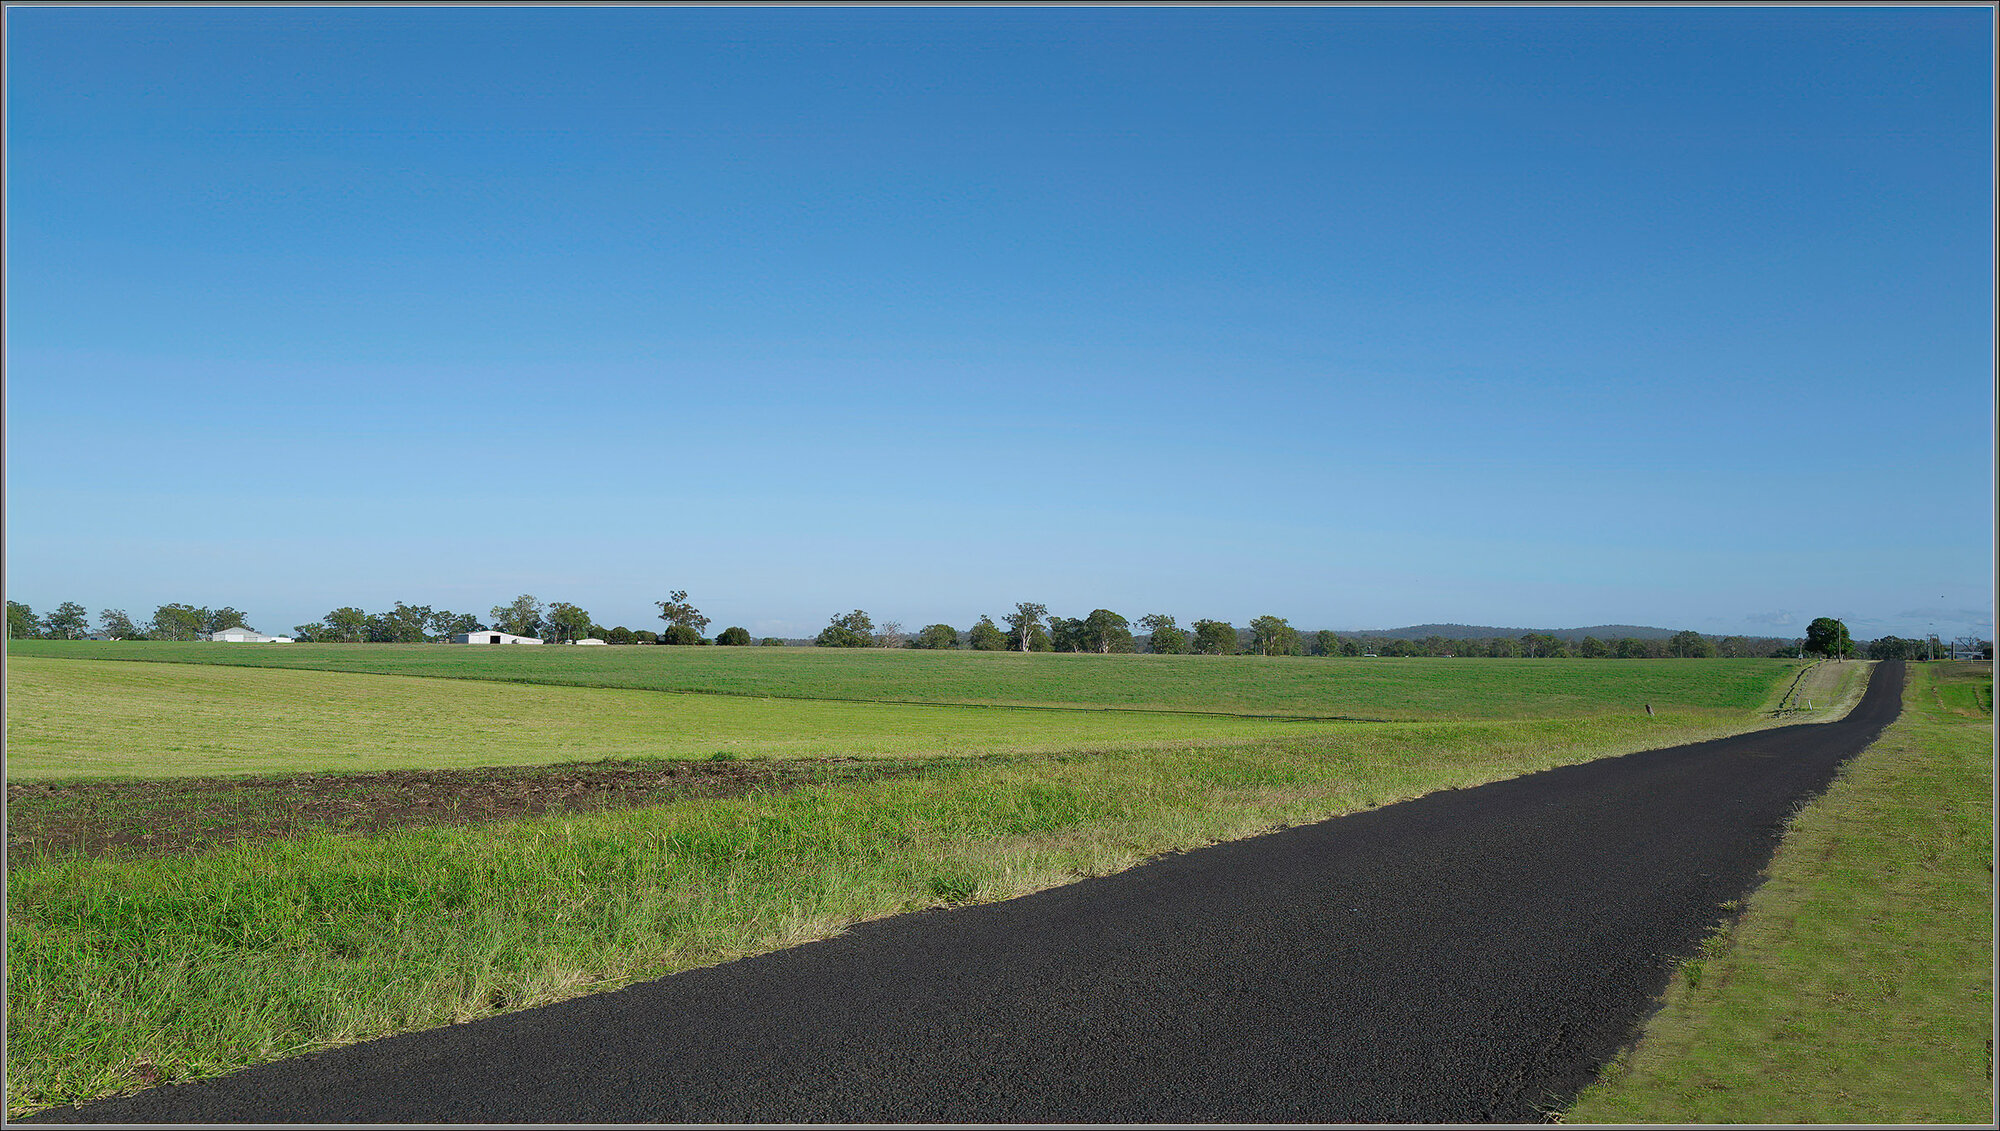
(241, 635)
(588, 640)
(492, 636)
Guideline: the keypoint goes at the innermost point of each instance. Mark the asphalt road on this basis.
(1470, 956)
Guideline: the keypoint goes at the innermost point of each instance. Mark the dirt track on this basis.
(164, 817)
(1470, 956)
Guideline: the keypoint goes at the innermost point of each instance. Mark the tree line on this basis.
(1029, 628)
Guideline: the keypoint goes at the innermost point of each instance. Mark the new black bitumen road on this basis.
(1469, 956)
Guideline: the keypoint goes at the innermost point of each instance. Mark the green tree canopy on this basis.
(115, 624)
(1214, 638)
(1895, 648)
(1539, 644)
(1105, 632)
(446, 624)
(682, 634)
(987, 637)
(1163, 635)
(735, 636)
(849, 630)
(675, 610)
(404, 624)
(215, 620)
(1273, 636)
(936, 636)
(1826, 636)
(567, 622)
(177, 622)
(1690, 645)
(1024, 622)
(522, 618)
(1066, 634)
(70, 621)
(22, 623)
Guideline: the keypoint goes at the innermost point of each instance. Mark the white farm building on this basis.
(492, 636)
(241, 635)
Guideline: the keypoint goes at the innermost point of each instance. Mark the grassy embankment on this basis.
(125, 970)
(1857, 986)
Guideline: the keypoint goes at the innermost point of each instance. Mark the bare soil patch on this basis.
(166, 817)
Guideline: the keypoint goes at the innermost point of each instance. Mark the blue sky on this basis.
(1358, 316)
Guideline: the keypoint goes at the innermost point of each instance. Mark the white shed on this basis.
(589, 640)
(241, 635)
(492, 636)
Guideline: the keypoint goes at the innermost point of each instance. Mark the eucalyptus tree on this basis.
(1024, 622)
(177, 622)
(446, 624)
(1105, 631)
(936, 636)
(215, 620)
(115, 624)
(522, 618)
(70, 621)
(1828, 637)
(1163, 635)
(1214, 638)
(22, 623)
(567, 622)
(987, 637)
(678, 613)
(849, 630)
(1273, 636)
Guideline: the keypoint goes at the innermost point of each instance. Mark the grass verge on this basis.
(1857, 986)
(129, 970)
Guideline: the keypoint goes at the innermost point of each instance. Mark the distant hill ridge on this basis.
(1483, 631)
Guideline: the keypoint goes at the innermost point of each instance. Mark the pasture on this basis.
(1316, 687)
(92, 718)
(136, 963)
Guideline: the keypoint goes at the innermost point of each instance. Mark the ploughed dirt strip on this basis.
(1470, 956)
(163, 817)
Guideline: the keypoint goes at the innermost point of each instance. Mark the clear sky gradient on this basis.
(1363, 317)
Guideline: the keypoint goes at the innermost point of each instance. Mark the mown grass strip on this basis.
(128, 971)
(1857, 987)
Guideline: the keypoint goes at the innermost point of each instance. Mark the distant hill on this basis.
(1482, 632)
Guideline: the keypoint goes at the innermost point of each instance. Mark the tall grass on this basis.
(126, 970)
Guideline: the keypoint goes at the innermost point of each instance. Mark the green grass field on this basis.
(1278, 685)
(126, 968)
(1857, 987)
(90, 718)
